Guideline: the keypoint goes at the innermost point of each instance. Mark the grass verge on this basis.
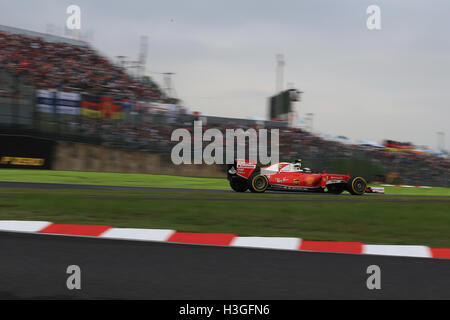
(377, 220)
(150, 180)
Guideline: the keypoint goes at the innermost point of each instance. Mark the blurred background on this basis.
(109, 112)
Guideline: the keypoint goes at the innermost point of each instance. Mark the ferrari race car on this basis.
(284, 176)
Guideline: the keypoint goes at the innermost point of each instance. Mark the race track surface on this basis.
(34, 266)
(37, 185)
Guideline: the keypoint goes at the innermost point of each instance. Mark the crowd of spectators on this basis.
(410, 167)
(68, 67)
(155, 136)
(5, 93)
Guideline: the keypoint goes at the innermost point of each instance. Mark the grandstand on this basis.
(44, 36)
(63, 89)
(66, 65)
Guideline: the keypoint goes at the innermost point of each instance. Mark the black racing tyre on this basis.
(238, 184)
(357, 186)
(258, 183)
(335, 189)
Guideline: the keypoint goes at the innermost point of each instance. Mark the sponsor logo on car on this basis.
(336, 178)
(335, 181)
(309, 181)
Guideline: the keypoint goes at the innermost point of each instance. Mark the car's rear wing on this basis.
(243, 168)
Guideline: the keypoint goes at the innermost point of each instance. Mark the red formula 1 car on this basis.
(284, 176)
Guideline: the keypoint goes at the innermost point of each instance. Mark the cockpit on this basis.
(285, 167)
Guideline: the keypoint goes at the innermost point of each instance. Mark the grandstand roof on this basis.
(45, 36)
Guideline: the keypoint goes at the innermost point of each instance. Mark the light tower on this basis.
(122, 61)
(280, 73)
(441, 140)
(169, 89)
(143, 56)
(310, 121)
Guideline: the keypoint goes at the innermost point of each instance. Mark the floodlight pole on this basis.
(441, 140)
(310, 119)
(280, 73)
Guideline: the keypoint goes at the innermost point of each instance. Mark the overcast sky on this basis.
(389, 83)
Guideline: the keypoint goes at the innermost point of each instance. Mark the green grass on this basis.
(370, 219)
(112, 179)
(149, 180)
(377, 220)
(417, 191)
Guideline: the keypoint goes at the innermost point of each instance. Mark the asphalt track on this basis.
(33, 266)
(38, 185)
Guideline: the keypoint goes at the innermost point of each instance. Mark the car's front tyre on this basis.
(357, 186)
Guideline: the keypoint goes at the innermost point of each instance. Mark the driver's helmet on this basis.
(298, 164)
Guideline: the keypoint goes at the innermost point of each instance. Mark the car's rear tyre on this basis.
(335, 189)
(258, 183)
(357, 186)
(238, 184)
